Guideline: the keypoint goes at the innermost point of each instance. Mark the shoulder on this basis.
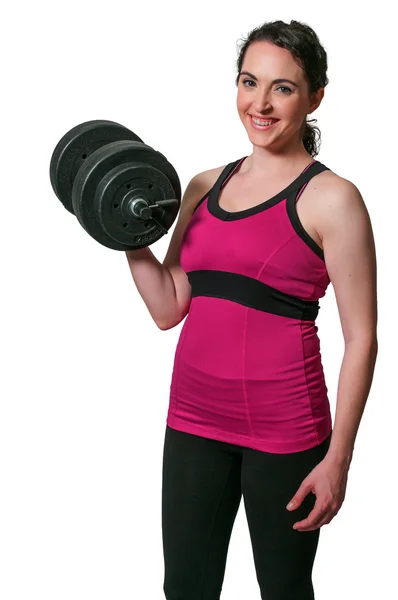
(199, 185)
(340, 216)
(333, 184)
(337, 198)
(350, 255)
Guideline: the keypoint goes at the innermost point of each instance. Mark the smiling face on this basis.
(272, 85)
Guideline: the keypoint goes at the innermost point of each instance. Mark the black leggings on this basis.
(202, 484)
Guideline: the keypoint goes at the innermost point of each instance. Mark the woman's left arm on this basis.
(344, 225)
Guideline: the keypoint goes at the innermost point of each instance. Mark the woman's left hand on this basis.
(328, 481)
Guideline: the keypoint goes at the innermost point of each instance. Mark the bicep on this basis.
(193, 193)
(350, 258)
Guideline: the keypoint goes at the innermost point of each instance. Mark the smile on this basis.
(259, 127)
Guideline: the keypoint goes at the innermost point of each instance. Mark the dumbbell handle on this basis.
(165, 202)
(142, 210)
(136, 209)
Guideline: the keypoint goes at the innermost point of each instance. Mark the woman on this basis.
(256, 245)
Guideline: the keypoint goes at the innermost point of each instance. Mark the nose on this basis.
(261, 102)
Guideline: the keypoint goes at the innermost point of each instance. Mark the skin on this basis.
(336, 211)
(279, 150)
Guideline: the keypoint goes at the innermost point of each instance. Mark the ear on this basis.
(316, 100)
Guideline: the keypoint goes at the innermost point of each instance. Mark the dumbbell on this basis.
(125, 194)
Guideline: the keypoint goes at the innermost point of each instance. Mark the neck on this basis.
(263, 161)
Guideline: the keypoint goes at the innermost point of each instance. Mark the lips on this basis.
(267, 127)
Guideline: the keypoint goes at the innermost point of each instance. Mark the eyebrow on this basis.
(274, 81)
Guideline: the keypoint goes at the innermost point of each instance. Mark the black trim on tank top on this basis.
(290, 194)
(299, 229)
(220, 180)
(200, 201)
(220, 213)
(252, 293)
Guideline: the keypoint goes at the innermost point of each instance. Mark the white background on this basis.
(85, 371)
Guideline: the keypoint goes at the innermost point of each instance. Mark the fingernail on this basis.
(290, 505)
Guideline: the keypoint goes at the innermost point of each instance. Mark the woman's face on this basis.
(259, 95)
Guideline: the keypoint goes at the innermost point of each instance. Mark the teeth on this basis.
(258, 122)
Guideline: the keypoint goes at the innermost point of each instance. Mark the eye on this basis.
(289, 91)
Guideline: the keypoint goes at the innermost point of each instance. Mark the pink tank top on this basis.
(247, 368)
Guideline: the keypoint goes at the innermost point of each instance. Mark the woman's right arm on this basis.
(164, 287)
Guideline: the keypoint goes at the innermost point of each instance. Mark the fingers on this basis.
(321, 512)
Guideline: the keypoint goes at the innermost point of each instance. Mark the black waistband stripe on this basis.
(252, 293)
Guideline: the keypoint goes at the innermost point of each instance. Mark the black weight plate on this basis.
(75, 147)
(130, 182)
(97, 166)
